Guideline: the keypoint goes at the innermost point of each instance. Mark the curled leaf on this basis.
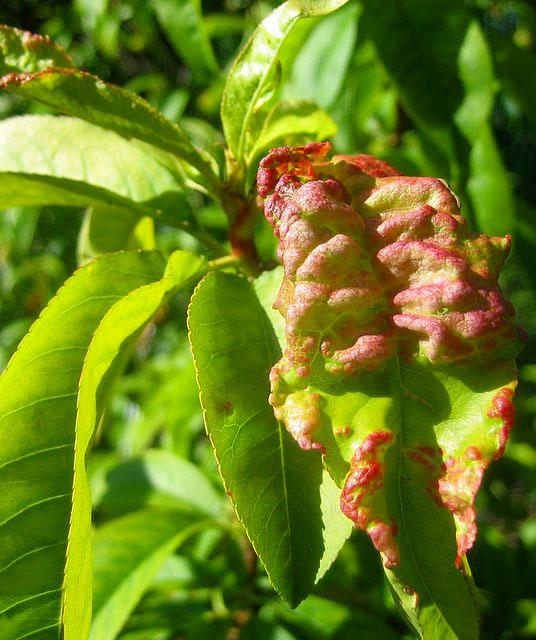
(398, 363)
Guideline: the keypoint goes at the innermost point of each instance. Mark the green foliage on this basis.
(37, 416)
(115, 522)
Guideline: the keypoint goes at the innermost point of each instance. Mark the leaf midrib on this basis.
(402, 509)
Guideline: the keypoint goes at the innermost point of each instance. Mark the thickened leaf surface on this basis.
(59, 160)
(398, 361)
(38, 392)
(104, 360)
(274, 486)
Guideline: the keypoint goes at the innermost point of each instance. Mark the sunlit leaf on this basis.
(24, 52)
(398, 364)
(105, 358)
(80, 94)
(59, 160)
(38, 393)
(254, 77)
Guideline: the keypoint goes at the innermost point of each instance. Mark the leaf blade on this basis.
(37, 462)
(24, 52)
(107, 351)
(79, 94)
(255, 64)
(274, 487)
(128, 553)
(60, 160)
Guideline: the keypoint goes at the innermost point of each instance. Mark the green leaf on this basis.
(59, 160)
(336, 526)
(430, 92)
(80, 94)
(514, 66)
(24, 52)
(292, 122)
(158, 478)
(320, 68)
(182, 22)
(326, 619)
(254, 76)
(105, 358)
(38, 393)
(489, 184)
(128, 552)
(106, 230)
(273, 485)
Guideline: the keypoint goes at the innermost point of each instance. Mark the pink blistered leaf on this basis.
(380, 266)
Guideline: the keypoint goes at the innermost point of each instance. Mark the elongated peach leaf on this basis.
(38, 392)
(110, 345)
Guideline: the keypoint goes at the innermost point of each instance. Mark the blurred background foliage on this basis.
(405, 110)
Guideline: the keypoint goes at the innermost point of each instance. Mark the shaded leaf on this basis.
(105, 230)
(430, 92)
(158, 478)
(128, 552)
(514, 67)
(489, 185)
(336, 527)
(320, 68)
(38, 393)
(273, 485)
(182, 22)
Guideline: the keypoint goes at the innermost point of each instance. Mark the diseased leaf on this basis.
(105, 358)
(273, 485)
(38, 393)
(59, 160)
(254, 78)
(184, 26)
(456, 84)
(128, 552)
(336, 527)
(398, 365)
(24, 52)
(105, 230)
